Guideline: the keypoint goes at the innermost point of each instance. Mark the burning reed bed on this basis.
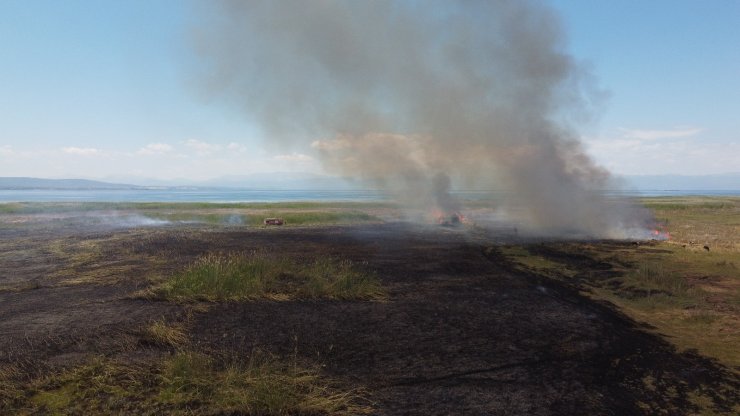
(223, 277)
(696, 222)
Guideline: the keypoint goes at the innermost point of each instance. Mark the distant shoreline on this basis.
(226, 195)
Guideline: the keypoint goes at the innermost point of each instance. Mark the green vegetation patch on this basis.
(687, 287)
(313, 217)
(521, 257)
(256, 218)
(217, 277)
(691, 296)
(250, 214)
(210, 218)
(184, 383)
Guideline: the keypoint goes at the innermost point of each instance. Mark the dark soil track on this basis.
(461, 332)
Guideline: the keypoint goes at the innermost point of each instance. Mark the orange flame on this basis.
(441, 217)
(660, 232)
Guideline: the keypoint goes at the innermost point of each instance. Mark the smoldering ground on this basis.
(51, 214)
(464, 330)
(409, 96)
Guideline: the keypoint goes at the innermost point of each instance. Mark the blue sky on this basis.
(105, 89)
(672, 69)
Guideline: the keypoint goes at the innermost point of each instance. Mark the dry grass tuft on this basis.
(185, 383)
(263, 386)
(10, 392)
(167, 335)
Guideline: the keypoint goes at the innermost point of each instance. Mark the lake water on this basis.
(184, 195)
(246, 195)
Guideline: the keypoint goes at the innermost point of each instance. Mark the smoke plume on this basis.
(414, 95)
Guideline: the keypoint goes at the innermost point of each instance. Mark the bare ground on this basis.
(461, 331)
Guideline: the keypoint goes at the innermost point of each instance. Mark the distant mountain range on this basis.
(273, 181)
(283, 180)
(61, 184)
(720, 182)
(303, 180)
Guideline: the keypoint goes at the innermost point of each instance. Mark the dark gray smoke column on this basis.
(407, 94)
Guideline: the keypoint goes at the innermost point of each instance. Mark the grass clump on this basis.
(100, 386)
(654, 276)
(11, 394)
(261, 386)
(162, 334)
(217, 277)
(185, 383)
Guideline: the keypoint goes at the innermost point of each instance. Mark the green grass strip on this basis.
(242, 277)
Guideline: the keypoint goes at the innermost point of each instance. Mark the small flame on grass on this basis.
(660, 232)
(441, 217)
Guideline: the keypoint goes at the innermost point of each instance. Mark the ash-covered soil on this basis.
(461, 331)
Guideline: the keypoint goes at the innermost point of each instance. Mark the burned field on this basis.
(462, 321)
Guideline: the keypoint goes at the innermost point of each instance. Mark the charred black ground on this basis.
(462, 330)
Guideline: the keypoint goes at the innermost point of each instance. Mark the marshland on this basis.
(352, 308)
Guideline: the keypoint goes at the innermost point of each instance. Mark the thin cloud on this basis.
(202, 148)
(82, 151)
(293, 157)
(237, 147)
(155, 149)
(640, 134)
(6, 151)
(644, 157)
